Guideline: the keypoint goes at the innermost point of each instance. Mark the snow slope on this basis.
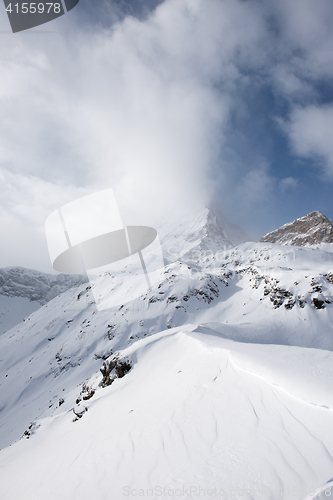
(197, 416)
(229, 387)
(13, 310)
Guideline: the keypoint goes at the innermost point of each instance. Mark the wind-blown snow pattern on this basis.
(217, 383)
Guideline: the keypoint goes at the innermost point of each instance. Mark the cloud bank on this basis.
(159, 109)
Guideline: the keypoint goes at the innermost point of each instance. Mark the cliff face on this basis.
(312, 229)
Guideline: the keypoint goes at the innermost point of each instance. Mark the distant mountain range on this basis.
(23, 291)
(35, 285)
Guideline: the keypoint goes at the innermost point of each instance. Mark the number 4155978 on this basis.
(33, 8)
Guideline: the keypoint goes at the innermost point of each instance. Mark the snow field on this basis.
(196, 411)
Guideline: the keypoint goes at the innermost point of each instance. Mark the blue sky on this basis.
(171, 103)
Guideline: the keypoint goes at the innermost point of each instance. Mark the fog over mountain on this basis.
(170, 104)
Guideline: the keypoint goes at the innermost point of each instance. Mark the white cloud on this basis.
(255, 187)
(135, 108)
(144, 107)
(288, 183)
(26, 201)
(310, 134)
(303, 45)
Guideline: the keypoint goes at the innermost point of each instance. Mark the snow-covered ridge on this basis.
(312, 229)
(197, 413)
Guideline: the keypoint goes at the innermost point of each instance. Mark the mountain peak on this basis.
(311, 229)
(194, 234)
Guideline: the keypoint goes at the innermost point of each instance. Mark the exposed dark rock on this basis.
(312, 229)
(329, 277)
(103, 355)
(318, 304)
(111, 331)
(172, 298)
(31, 430)
(278, 296)
(290, 304)
(79, 412)
(153, 299)
(83, 292)
(114, 368)
(87, 392)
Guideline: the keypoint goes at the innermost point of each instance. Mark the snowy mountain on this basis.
(195, 236)
(23, 291)
(312, 229)
(218, 379)
(35, 285)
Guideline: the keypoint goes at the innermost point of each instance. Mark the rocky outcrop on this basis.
(312, 229)
(114, 368)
